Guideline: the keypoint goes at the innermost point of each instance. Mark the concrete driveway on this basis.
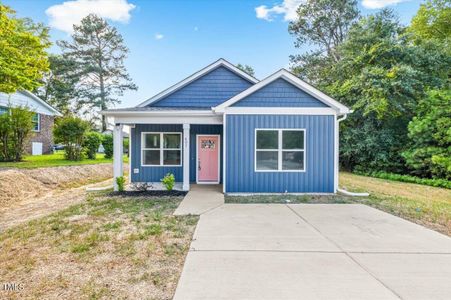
(313, 251)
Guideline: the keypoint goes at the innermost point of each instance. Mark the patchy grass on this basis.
(55, 160)
(287, 199)
(107, 247)
(425, 205)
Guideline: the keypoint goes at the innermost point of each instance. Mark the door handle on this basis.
(198, 165)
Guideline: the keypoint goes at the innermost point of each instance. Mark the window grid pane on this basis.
(292, 139)
(267, 160)
(171, 141)
(151, 157)
(267, 139)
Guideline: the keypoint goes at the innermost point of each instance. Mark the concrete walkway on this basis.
(313, 251)
(200, 199)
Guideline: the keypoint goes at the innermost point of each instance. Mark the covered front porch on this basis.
(186, 144)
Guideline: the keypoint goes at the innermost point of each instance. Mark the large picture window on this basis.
(280, 150)
(161, 149)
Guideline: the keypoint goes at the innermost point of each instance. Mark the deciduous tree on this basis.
(23, 56)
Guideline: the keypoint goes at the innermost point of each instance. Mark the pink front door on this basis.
(208, 158)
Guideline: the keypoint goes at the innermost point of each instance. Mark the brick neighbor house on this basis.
(41, 141)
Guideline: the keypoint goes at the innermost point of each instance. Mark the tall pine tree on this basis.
(99, 53)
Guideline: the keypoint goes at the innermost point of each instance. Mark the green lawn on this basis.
(55, 160)
(107, 247)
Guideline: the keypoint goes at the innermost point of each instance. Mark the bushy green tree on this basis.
(107, 143)
(59, 85)
(430, 136)
(246, 68)
(23, 56)
(432, 21)
(92, 143)
(71, 132)
(323, 24)
(15, 130)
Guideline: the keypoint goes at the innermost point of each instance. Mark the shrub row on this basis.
(437, 182)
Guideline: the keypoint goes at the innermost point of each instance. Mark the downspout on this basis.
(341, 191)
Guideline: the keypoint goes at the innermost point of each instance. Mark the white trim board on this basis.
(280, 111)
(220, 62)
(291, 78)
(197, 159)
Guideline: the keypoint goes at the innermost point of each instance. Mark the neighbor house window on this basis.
(3, 110)
(280, 150)
(36, 122)
(161, 149)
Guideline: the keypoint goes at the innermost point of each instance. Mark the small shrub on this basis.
(120, 181)
(107, 142)
(15, 130)
(71, 132)
(168, 181)
(92, 143)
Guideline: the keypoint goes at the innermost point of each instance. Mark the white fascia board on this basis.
(42, 102)
(145, 119)
(158, 113)
(164, 117)
(280, 111)
(193, 77)
(340, 108)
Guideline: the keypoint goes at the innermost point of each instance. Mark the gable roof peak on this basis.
(294, 80)
(213, 66)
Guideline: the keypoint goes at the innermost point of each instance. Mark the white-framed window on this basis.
(36, 122)
(279, 150)
(161, 149)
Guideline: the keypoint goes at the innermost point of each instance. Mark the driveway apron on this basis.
(313, 251)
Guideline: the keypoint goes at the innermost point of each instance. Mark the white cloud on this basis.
(287, 8)
(375, 4)
(64, 16)
(159, 36)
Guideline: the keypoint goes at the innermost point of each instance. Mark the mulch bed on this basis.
(151, 193)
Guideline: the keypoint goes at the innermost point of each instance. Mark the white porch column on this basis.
(186, 157)
(117, 154)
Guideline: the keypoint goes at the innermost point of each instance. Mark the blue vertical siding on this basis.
(319, 165)
(202, 129)
(280, 93)
(209, 90)
(154, 173)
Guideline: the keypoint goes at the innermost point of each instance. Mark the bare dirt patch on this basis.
(22, 185)
(107, 247)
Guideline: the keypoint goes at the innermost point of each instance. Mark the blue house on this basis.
(223, 126)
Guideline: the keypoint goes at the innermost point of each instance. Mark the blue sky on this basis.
(169, 40)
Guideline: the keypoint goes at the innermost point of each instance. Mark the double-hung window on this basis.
(280, 150)
(161, 149)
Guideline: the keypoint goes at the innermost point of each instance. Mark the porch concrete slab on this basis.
(256, 227)
(412, 276)
(200, 199)
(276, 275)
(360, 228)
